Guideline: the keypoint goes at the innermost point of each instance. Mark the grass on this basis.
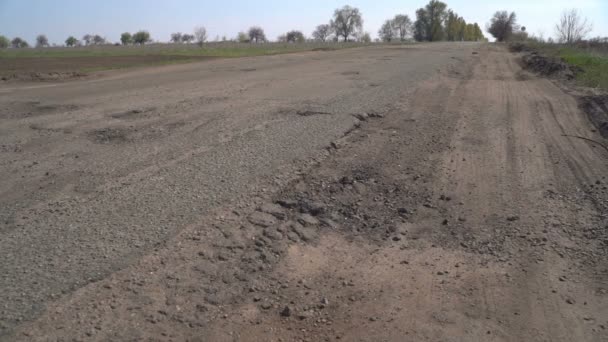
(594, 66)
(226, 50)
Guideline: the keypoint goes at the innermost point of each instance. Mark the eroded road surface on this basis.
(405, 193)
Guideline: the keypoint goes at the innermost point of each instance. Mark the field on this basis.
(416, 192)
(61, 62)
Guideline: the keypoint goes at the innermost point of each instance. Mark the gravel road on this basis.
(421, 192)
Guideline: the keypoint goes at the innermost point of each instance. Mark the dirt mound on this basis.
(596, 108)
(548, 66)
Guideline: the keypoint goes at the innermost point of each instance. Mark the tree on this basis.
(4, 42)
(71, 41)
(42, 41)
(187, 38)
(572, 27)
(429, 21)
(176, 37)
(387, 31)
(502, 25)
(420, 25)
(126, 38)
(141, 37)
(242, 37)
(322, 32)
(87, 38)
(19, 43)
(256, 34)
(294, 37)
(200, 35)
(98, 40)
(365, 38)
(347, 22)
(403, 25)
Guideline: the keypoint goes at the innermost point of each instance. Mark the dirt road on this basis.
(379, 194)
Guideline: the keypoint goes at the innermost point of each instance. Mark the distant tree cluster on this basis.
(141, 37)
(179, 37)
(399, 27)
(435, 22)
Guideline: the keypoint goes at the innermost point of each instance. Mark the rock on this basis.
(325, 301)
(396, 238)
(445, 222)
(293, 237)
(273, 234)
(308, 220)
(273, 209)
(261, 219)
(362, 116)
(287, 203)
(266, 306)
(314, 208)
(286, 312)
(513, 218)
(306, 234)
(570, 301)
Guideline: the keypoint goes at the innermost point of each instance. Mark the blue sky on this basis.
(60, 18)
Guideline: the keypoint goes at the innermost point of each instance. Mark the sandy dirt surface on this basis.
(421, 193)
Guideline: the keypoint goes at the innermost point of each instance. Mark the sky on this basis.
(58, 19)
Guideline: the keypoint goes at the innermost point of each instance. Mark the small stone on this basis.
(440, 273)
(570, 301)
(266, 306)
(513, 218)
(286, 312)
(287, 203)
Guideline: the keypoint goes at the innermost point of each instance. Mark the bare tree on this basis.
(87, 38)
(200, 34)
(256, 34)
(403, 25)
(322, 32)
(502, 25)
(572, 27)
(42, 41)
(176, 37)
(387, 31)
(347, 22)
(98, 40)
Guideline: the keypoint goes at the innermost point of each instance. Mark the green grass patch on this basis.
(594, 66)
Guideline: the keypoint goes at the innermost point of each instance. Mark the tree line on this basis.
(572, 27)
(434, 22)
